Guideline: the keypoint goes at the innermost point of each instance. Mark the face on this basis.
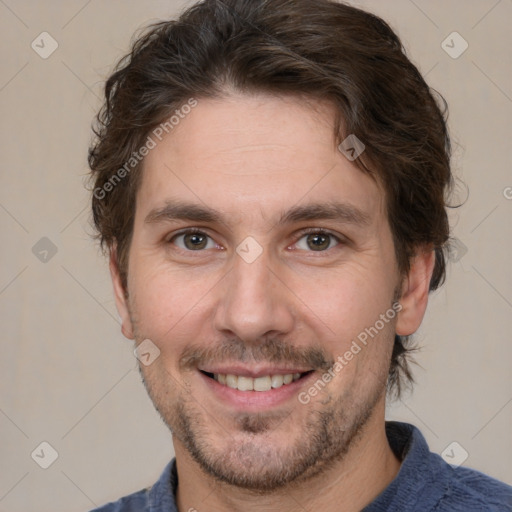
(259, 256)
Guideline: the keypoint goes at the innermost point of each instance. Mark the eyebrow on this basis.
(344, 212)
(183, 211)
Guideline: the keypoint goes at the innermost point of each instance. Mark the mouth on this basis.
(260, 384)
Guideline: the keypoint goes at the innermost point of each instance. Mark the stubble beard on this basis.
(248, 459)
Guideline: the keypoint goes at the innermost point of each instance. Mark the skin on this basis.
(252, 158)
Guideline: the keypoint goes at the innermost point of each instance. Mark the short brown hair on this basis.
(322, 49)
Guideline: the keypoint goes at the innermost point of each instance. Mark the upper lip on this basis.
(254, 371)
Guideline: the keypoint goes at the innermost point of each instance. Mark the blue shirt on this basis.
(425, 483)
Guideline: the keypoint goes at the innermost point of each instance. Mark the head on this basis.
(228, 123)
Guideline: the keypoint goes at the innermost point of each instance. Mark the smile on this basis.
(261, 383)
(255, 388)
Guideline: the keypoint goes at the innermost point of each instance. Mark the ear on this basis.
(415, 288)
(120, 296)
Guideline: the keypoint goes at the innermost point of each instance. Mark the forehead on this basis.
(251, 155)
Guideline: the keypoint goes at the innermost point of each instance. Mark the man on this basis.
(269, 181)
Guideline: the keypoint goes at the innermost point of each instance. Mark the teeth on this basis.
(277, 381)
(245, 383)
(265, 383)
(287, 378)
(232, 381)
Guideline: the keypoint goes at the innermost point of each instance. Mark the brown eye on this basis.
(317, 241)
(193, 241)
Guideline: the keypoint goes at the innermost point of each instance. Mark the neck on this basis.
(349, 485)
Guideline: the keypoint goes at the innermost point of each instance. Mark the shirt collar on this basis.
(420, 476)
(162, 496)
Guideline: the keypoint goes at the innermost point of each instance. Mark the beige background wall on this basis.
(67, 375)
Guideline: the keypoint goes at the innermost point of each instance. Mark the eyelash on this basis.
(300, 235)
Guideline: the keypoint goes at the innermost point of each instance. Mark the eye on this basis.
(317, 240)
(193, 240)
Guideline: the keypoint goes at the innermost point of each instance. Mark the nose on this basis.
(254, 302)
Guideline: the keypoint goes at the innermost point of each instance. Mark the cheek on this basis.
(344, 307)
(345, 300)
(363, 351)
(166, 304)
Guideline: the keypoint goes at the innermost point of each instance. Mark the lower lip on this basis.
(254, 400)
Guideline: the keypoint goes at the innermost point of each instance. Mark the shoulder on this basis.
(160, 495)
(426, 482)
(136, 502)
(469, 490)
